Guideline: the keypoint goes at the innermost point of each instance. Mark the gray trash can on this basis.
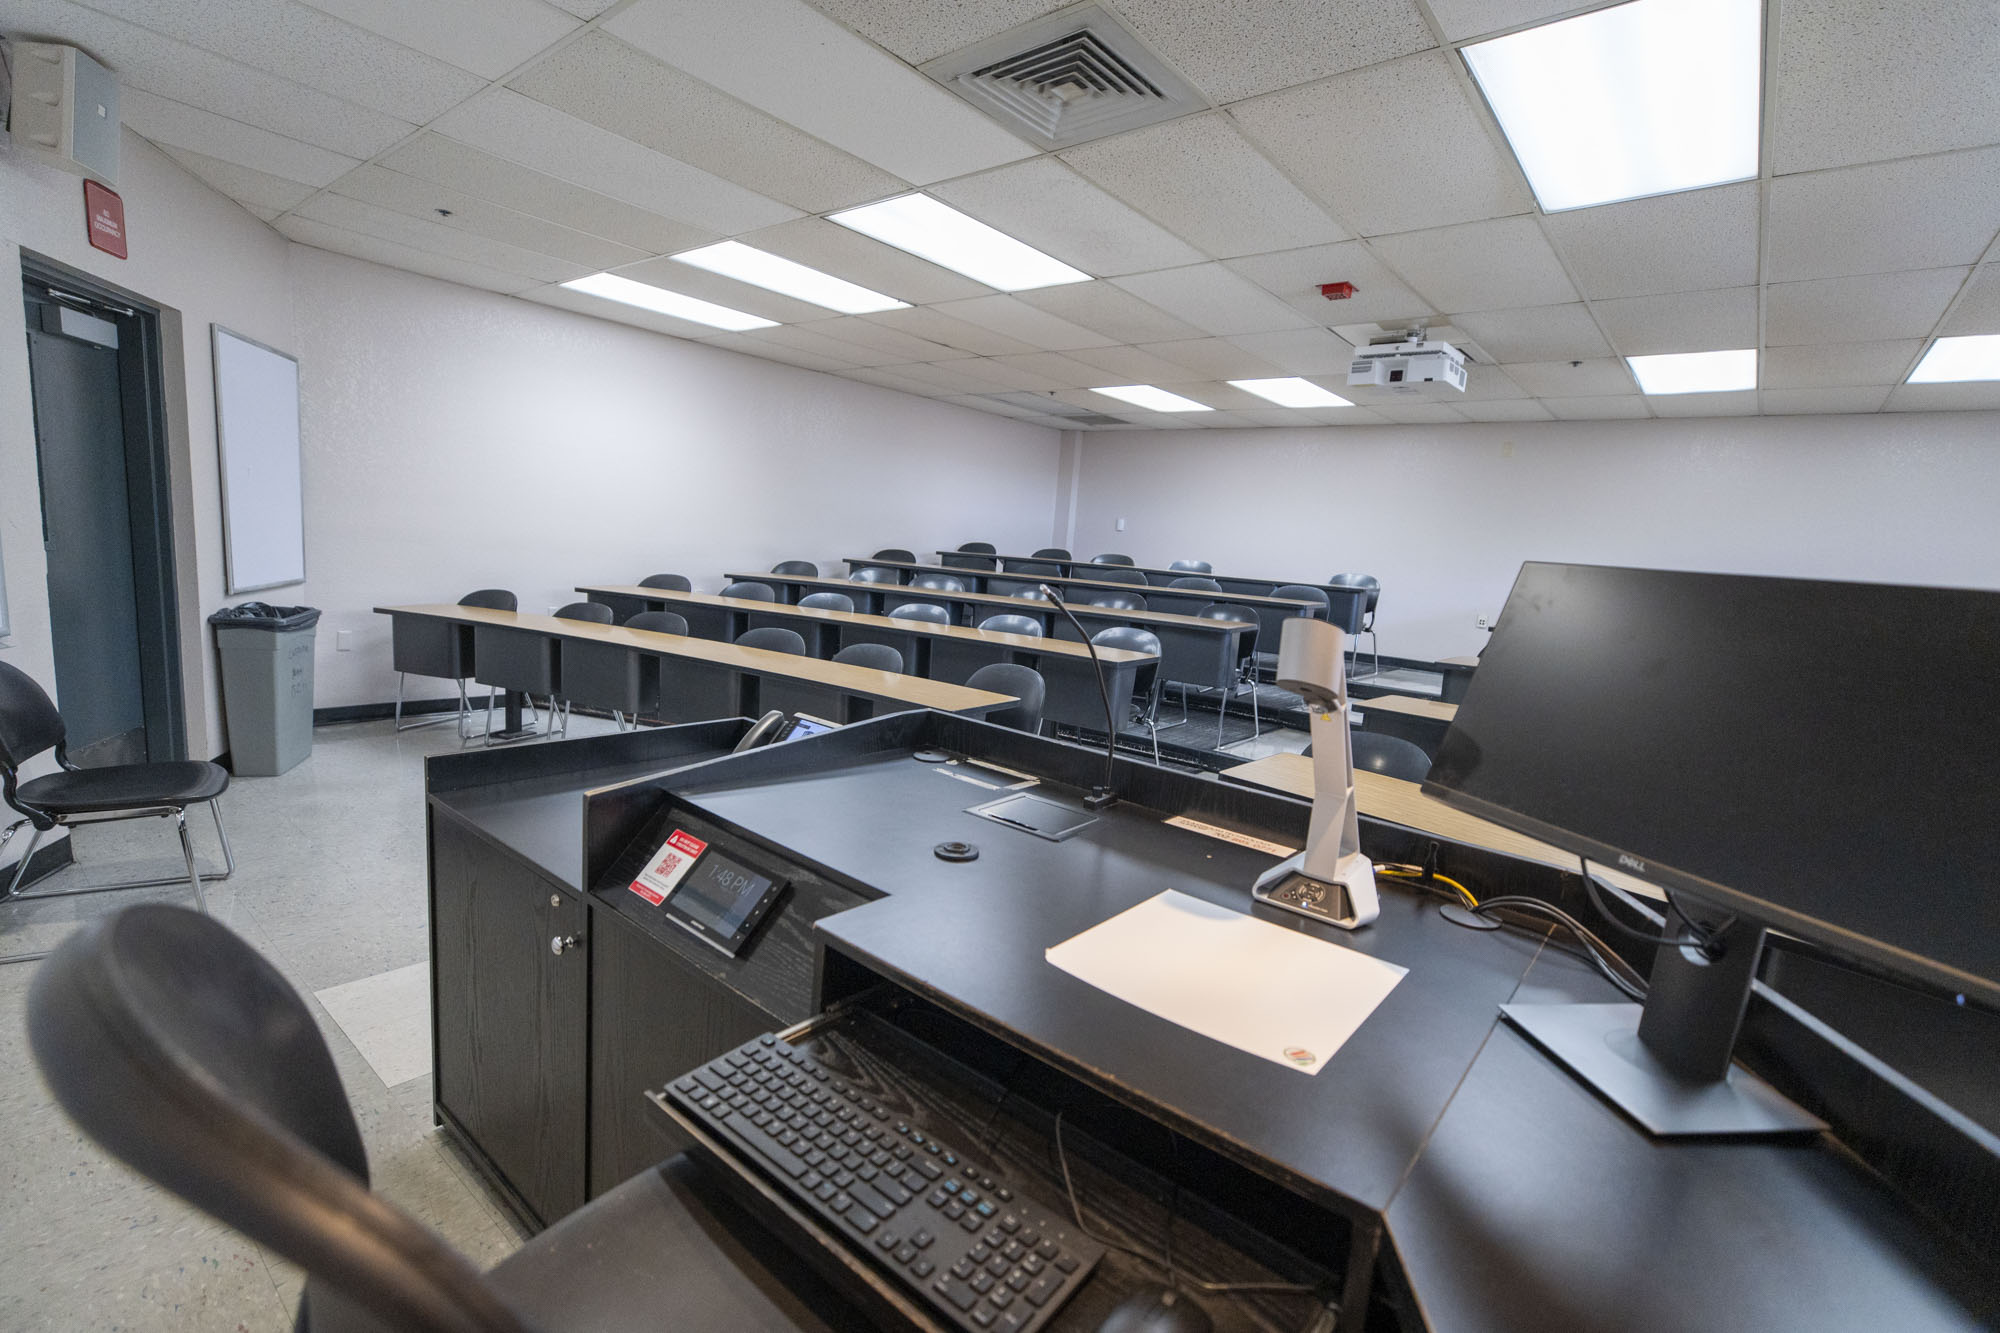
(267, 685)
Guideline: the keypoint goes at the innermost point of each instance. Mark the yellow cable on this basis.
(1417, 873)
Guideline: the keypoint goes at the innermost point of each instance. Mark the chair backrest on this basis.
(671, 582)
(1024, 683)
(805, 567)
(874, 574)
(1033, 567)
(659, 622)
(878, 656)
(29, 723)
(1247, 644)
(1029, 594)
(1012, 625)
(190, 1058)
(828, 601)
(926, 611)
(1112, 558)
(1120, 601)
(980, 548)
(1196, 582)
(774, 639)
(1133, 640)
(751, 592)
(1119, 574)
(1300, 592)
(896, 553)
(938, 583)
(491, 599)
(1193, 566)
(1053, 553)
(1391, 755)
(1368, 581)
(597, 613)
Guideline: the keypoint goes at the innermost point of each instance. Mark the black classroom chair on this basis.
(1192, 567)
(750, 592)
(805, 567)
(1391, 755)
(444, 656)
(1119, 574)
(874, 574)
(1195, 582)
(1112, 558)
(939, 583)
(1373, 586)
(896, 553)
(1053, 553)
(1120, 601)
(929, 612)
(1146, 684)
(1024, 683)
(828, 601)
(773, 639)
(669, 582)
(876, 656)
(659, 622)
(1010, 624)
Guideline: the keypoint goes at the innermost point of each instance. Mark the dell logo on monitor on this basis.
(1632, 863)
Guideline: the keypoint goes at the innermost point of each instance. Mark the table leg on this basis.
(512, 730)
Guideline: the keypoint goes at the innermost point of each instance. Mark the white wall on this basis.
(1444, 517)
(456, 439)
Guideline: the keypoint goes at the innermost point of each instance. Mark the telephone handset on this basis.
(776, 727)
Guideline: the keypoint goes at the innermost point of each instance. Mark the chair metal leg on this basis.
(187, 850)
(21, 869)
(228, 856)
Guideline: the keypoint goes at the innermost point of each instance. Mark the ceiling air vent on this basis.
(1067, 78)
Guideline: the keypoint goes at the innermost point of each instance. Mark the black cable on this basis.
(1615, 969)
(1704, 936)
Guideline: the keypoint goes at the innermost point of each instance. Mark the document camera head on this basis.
(1310, 657)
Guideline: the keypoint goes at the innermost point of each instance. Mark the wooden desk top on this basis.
(1458, 661)
(914, 690)
(1018, 604)
(1095, 585)
(1403, 703)
(1031, 643)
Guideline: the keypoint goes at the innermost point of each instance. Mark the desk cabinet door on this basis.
(510, 1017)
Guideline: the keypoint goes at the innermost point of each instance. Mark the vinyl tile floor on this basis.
(329, 885)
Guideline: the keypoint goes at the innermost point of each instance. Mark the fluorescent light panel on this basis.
(1644, 98)
(1950, 360)
(760, 268)
(937, 232)
(1291, 391)
(1695, 372)
(1156, 400)
(648, 297)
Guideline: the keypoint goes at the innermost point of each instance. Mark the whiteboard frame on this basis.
(231, 586)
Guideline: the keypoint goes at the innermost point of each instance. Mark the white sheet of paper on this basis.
(1277, 993)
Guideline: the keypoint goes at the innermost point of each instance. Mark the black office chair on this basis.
(1024, 683)
(972, 555)
(1392, 755)
(1029, 594)
(443, 656)
(1012, 625)
(671, 582)
(186, 1055)
(1112, 558)
(773, 639)
(896, 553)
(750, 592)
(1053, 553)
(938, 583)
(1273, 618)
(877, 656)
(1193, 566)
(594, 613)
(1373, 586)
(1243, 671)
(30, 726)
(659, 622)
(979, 548)
(1146, 684)
(925, 611)
(874, 574)
(1195, 582)
(1120, 601)
(1119, 574)
(805, 567)
(828, 601)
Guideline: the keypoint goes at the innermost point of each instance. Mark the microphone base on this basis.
(1099, 798)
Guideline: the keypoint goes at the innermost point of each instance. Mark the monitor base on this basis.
(1599, 1044)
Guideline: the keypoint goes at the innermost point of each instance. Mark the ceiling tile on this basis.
(1861, 83)
(705, 286)
(1475, 18)
(378, 251)
(1394, 147)
(311, 48)
(1944, 397)
(628, 92)
(1295, 275)
(835, 249)
(1418, 413)
(523, 130)
(1519, 409)
(1239, 48)
(809, 339)
(807, 70)
(1741, 403)
(1213, 299)
(1483, 384)
(1931, 212)
(1681, 321)
(371, 220)
(473, 171)
(204, 132)
(1017, 319)
(1794, 402)
(1700, 240)
(1595, 409)
(1214, 359)
(1881, 306)
(921, 30)
(1204, 182)
(943, 378)
(1978, 311)
(903, 346)
(1478, 265)
(488, 37)
(1029, 373)
(247, 186)
(938, 327)
(892, 379)
(1536, 333)
(1836, 365)
(1129, 365)
(1111, 311)
(768, 351)
(1045, 204)
(618, 313)
(422, 199)
(1299, 351)
(1062, 372)
(585, 9)
(1566, 379)
(998, 375)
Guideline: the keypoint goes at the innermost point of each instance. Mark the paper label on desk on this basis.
(668, 867)
(1276, 993)
(1231, 835)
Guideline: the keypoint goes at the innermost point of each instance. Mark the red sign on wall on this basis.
(104, 217)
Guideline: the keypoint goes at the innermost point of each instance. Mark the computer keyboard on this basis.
(954, 1233)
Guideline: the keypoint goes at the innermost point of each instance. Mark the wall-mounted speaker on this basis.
(65, 107)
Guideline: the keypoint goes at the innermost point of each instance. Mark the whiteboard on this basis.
(257, 439)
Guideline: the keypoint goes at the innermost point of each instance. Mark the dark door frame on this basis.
(149, 488)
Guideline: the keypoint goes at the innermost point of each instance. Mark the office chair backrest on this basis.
(491, 599)
(876, 656)
(938, 583)
(597, 613)
(1231, 611)
(1024, 683)
(1032, 567)
(1196, 582)
(874, 574)
(1193, 566)
(29, 723)
(828, 601)
(1012, 625)
(1133, 640)
(896, 553)
(1391, 755)
(1119, 574)
(774, 639)
(753, 592)
(925, 611)
(1112, 559)
(1299, 592)
(980, 548)
(188, 1057)
(1120, 601)
(659, 622)
(1029, 594)
(671, 582)
(805, 567)
(1053, 553)
(1368, 581)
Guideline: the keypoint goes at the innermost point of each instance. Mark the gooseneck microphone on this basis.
(1101, 795)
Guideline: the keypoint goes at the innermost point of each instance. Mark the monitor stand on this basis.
(1667, 1065)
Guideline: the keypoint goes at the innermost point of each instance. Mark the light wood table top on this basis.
(913, 690)
(1076, 564)
(1458, 661)
(1028, 643)
(1403, 703)
(1016, 604)
(1093, 585)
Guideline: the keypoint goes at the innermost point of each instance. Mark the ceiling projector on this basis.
(1407, 364)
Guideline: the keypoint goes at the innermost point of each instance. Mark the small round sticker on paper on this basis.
(1299, 1055)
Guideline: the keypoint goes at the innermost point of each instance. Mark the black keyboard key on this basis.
(914, 1183)
(861, 1219)
(937, 1198)
(970, 1222)
(824, 1191)
(956, 1292)
(1009, 1222)
(1047, 1249)
(982, 1283)
(779, 1155)
(1066, 1262)
(874, 1201)
(955, 1210)
(841, 1202)
(983, 1316)
(922, 1240)
(923, 1268)
(1002, 1296)
(905, 1252)
(1041, 1289)
(962, 1269)
(888, 1240)
(1013, 1321)
(1034, 1263)
(892, 1191)
(930, 1169)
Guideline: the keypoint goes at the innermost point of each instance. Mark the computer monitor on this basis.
(1813, 757)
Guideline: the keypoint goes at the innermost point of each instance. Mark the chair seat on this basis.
(125, 787)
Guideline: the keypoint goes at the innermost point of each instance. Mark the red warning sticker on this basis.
(669, 865)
